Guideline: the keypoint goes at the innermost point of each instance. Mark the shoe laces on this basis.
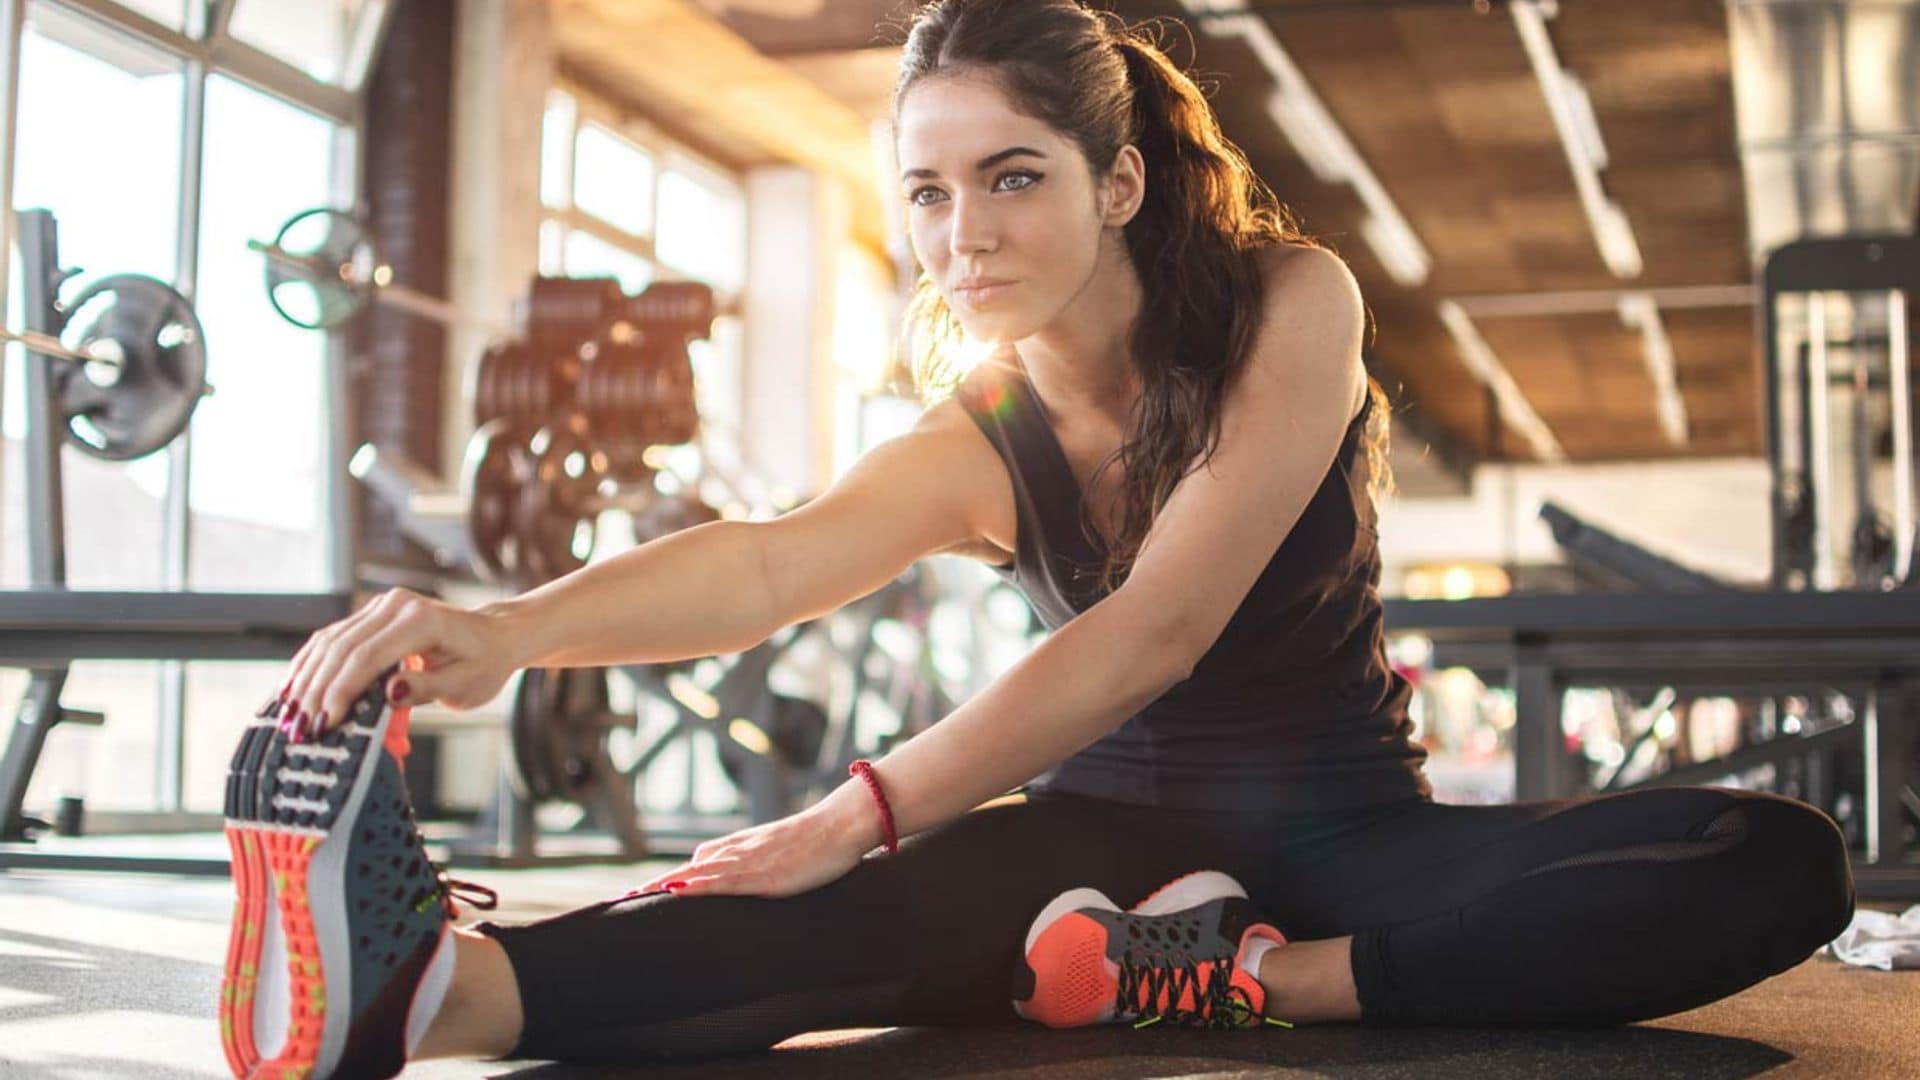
(1153, 991)
(444, 889)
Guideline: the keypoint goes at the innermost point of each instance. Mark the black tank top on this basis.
(1294, 710)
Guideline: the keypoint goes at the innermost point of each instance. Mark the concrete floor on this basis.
(115, 975)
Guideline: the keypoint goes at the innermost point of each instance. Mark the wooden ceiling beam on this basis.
(677, 61)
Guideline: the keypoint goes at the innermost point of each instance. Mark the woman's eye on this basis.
(1032, 178)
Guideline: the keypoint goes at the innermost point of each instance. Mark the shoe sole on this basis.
(290, 812)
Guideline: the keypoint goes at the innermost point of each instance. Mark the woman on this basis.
(1173, 452)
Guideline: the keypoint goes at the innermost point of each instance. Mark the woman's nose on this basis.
(973, 227)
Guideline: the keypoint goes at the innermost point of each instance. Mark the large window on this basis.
(624, 201)
(258, 444)
(100, 88)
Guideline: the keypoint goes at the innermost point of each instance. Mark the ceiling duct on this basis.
(1827, 104)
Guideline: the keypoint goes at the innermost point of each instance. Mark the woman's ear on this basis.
(1125, 187)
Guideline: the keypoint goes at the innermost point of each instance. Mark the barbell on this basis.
(322, 268)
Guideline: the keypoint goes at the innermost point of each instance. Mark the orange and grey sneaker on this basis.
(1187, 955)
(342, 927)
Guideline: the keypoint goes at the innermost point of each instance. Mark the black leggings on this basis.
(1597, 910)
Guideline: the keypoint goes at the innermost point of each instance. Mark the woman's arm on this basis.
(1078, 684)
(697, 592)
(726, 586)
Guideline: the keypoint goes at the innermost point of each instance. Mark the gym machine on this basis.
(1831, 649)
(116, 371)
(1835, 336)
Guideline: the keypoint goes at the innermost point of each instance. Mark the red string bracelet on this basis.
(864, 770)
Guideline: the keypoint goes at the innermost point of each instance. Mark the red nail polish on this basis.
(399, 690)
(319, 727)
(674, 886)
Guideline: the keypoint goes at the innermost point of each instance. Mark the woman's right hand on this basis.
(465, 657)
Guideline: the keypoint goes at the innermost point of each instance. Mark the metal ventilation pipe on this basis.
(1827, 106)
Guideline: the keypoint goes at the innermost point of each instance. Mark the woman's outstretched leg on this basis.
(931, 935)
(481, 1015)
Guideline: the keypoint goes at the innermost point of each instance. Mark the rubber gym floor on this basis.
(114, 975)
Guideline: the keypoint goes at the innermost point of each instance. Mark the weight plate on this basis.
(129, 409)
(493, 477)
(557, 728)
(554, 519)
(328, 268)
(535, 773)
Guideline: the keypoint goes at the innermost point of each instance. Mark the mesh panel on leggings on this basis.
(1725, 831)
(735, 1029)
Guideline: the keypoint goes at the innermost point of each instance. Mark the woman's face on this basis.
(994, 194)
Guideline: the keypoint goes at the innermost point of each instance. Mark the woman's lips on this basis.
(980, 295)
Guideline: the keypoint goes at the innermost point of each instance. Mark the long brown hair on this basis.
(1204, 223)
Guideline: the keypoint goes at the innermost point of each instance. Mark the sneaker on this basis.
(1181, 956)
(338, 911)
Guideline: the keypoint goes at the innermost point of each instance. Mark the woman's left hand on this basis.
(797, 853)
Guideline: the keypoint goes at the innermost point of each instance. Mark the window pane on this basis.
(172, 13)
(716, 374)
(556, 151)
(82, 87)
(702, 230)
(219, 689)
(258, 514)
(309, 34)
(553, 243)
(589, 256)
(613, 180)
(112, 766)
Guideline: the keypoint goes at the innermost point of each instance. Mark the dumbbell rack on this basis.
(47, 626)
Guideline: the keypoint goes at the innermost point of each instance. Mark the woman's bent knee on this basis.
(1806, 856)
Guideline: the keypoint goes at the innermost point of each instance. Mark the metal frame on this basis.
(1851, 264)
(13, 17)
